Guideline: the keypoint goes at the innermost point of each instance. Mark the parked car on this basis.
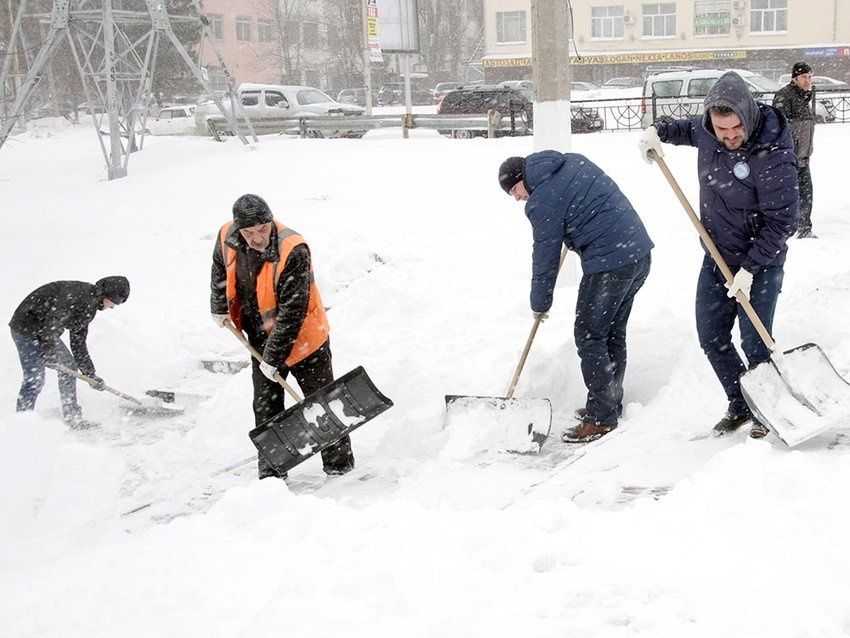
(175, 119)
(518, 104)
(64, 108)
(623, 83)
(275, 101)
(393, 93)
(579, 86)
(91, 108)
(681, 93)
(443, 88)
(356, 96)
(518, 84)
(839, 98)
(820, 82)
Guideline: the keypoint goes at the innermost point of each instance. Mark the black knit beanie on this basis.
(800, 68)
(251, 210)
(115, 288)
(511, 172)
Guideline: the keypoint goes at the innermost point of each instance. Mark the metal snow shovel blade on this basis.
(798, 394)
(149, 406)
(318, 421)
(517, 425)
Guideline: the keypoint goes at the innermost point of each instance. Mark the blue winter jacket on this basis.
(574, 203)
(749, 198)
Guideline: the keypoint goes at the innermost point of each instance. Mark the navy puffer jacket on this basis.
(749, 198)
(574, 203)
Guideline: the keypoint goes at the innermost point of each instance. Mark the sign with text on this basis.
(374, 41)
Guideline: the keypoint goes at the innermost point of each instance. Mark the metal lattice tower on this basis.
(114, 69)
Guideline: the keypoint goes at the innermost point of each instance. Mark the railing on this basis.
(615, 114)
(832, 107)
(491, 125)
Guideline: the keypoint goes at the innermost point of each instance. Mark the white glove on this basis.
(268, 370)
(542, 316)
(743, 281)
(650, 141)
(220, 320)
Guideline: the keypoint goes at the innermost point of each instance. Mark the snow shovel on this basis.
(798, 393)
(148, 406)
(520, 425)
(317, 421)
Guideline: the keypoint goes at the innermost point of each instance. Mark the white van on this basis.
(681, 93)
(275, 101)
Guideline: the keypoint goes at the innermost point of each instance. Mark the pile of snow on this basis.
(160, 527)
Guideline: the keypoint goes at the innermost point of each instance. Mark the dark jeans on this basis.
(313, 373)
(804, 178)
(33, 358)
(716, 314)
(602, 312)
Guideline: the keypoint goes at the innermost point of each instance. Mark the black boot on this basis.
(729, 423)
(264, 470)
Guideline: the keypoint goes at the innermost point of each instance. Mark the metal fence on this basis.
(617, 114)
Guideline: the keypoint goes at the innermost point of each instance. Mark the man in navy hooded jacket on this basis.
(749, 204)
(571, 202)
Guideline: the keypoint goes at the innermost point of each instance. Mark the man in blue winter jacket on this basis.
(571, 202)
(749, 204)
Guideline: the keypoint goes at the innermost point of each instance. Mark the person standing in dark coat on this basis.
(572, 203)
(749, 205)
(38, 324)
(262, 281)
(796, 100)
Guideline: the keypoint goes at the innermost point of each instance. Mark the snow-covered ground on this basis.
(140, 528)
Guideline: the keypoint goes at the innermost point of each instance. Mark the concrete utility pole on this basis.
(550, 62)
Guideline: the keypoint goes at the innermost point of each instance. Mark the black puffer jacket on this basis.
(58, 306)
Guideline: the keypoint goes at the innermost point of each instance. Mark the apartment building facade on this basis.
(612, 38)
(246, 34)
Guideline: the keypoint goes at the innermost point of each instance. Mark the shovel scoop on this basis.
(798, 394)
(509, 424)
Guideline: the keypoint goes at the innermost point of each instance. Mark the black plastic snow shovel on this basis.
(149, 406)
(798, 393)
(518, 425)
(317, 421)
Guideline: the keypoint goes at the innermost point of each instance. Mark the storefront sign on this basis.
(670, 56)
(506, 62)
(629, 58)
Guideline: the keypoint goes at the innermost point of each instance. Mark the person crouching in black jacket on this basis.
(38, 324)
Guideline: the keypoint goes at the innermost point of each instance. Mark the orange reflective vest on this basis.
(314, 331)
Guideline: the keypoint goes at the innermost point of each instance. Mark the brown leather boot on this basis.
(587, 431)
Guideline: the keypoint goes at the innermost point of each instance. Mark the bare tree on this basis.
(447, 35)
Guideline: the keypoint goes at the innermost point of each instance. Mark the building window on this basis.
(606, 23)
(216, 25)
(768, 15)
(310, 32)
(510, 26)
(712, 17)
(659, 20)
(265, 30)
(243, 28)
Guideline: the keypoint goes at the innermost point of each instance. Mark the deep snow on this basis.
(425, 264)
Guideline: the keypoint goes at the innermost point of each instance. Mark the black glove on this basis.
(97, 383)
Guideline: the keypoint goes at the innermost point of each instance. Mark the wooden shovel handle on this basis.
(65, 370)
(528, 341)
(238, 334)
(715, 254)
